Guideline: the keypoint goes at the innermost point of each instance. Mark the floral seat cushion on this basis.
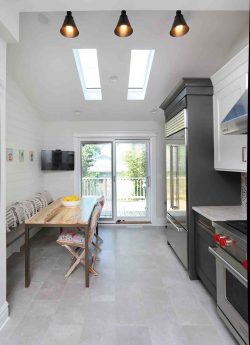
(71, 237)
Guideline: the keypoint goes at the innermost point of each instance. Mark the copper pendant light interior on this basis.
(123, 27)
(179, 27)
(69, 28)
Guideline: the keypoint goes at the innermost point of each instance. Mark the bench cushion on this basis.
(17, 213)
(11, 221)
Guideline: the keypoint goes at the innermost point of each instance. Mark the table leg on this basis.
(27, 256)
(87, 257)
(61, 230)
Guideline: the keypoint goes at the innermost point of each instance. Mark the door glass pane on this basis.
(131, 174)
(97, 173)
(174, 161)
(176, 177)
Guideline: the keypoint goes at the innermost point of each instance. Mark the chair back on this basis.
(101, 201)
(95, 215)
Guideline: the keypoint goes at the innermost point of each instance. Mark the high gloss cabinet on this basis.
(230, 82)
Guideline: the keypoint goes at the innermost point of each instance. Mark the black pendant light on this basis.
(179, 27)
(69, 28)
(123, 27)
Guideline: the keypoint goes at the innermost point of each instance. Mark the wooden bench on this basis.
(14, 234)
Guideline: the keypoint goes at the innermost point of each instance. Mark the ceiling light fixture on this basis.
(179, 27)
(123, 27)
(69, 28)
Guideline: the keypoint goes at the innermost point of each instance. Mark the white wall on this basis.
(24, 130)
(60, 135)
(9, 22)
(3, 303)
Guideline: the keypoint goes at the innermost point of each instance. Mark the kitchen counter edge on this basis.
(222, 213)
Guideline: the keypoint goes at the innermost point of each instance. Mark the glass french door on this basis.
(97, 173)
(132, 179)
(119, 170)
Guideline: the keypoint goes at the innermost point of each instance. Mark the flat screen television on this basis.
(57, 160)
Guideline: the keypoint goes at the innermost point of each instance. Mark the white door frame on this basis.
(111, 136)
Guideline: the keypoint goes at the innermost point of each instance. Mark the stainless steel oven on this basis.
(231, 279)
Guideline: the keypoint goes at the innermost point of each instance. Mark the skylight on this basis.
(88, 70)
(140, 67)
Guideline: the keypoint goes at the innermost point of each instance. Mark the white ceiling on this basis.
(44, 66)
(107, 5)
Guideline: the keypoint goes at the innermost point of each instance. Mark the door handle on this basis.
(148, 181)
(171, 178)
(176, 227)
(220, 255)
(175, 181)
(243, 151)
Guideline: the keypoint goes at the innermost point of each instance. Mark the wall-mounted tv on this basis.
(57, 160)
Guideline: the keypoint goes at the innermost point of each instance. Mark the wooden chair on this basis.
(101, 201)
(74, 242)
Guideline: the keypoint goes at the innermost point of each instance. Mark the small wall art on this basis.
(21, 155)
(31, 155)
(9, 155)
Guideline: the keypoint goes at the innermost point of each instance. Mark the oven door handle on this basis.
(225, 258)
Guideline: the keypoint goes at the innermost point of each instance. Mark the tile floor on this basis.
(143, 296)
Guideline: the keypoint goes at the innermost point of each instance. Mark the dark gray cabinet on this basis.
(205, 186)
(205, 262)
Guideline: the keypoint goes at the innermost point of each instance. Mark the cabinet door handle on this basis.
(243, 151)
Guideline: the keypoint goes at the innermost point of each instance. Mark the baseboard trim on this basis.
(4, 315)
(160, 221)
(133, 222)
(154, 222)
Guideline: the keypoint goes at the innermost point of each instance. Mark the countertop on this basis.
(222, 213)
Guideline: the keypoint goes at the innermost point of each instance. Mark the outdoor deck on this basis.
(131, 196)
(133, 209)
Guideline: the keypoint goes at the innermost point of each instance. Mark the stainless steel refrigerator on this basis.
(176, 183)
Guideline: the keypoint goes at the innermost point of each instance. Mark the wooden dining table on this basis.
(56, 215)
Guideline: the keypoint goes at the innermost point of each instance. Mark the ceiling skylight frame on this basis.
(138, 92)
(88, 69)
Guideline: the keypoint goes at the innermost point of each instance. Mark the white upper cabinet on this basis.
(230, 82)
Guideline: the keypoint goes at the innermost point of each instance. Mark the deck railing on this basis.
(127, 188)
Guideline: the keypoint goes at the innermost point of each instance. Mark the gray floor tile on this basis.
(142, 296)
(62, 335)
(206, 335)
(133, 335)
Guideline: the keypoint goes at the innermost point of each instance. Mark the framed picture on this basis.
(31, 155)
(21, 155)
(9, 155)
